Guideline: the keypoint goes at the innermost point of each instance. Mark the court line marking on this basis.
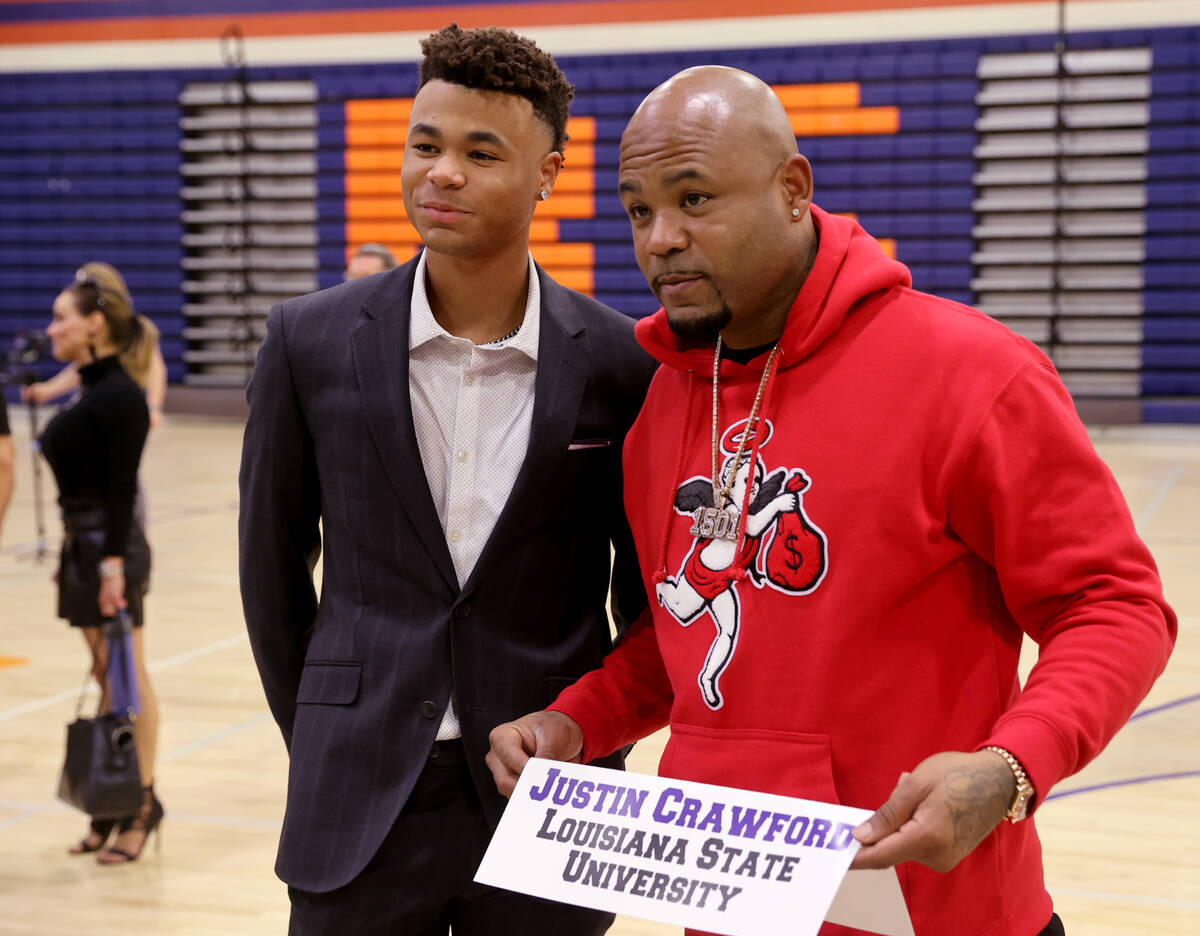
(1129, 781)
(216, 736)
(32, 810)
(167, 515)
(1174, 703)
(36, 705)
(27, 812)
(1160, 495)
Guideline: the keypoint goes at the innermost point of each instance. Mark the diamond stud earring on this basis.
(543, 194)
(795, 212)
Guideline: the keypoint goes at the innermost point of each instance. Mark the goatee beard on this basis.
(700, 326)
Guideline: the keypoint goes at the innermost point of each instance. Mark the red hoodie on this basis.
(923, 496)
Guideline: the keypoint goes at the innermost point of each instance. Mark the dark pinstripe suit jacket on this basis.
(358, 680)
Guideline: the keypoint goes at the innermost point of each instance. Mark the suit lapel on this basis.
(381, 366)
(562, 372)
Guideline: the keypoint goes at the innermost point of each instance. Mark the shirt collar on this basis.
(423, 327)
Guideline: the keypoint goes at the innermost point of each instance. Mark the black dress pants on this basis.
(420, 883)
(1054, 927)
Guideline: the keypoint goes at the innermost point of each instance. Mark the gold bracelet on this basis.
(1018, 809)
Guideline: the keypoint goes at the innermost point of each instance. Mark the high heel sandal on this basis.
(102, 828)
(147, 820)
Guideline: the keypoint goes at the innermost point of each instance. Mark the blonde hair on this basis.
(102, 287)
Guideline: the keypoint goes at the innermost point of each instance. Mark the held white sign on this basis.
(706, 857)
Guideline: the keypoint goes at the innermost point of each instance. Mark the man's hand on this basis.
(938, 813)
(552, 735)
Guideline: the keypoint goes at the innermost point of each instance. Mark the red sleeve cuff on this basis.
(585, 710)
(1036, 744)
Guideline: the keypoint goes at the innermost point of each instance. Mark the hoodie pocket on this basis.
(789, 763)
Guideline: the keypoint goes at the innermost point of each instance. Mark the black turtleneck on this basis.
(94, 447)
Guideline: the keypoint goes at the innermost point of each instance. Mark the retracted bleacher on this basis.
(1059, 194)
(1088, 214)
(249, 190)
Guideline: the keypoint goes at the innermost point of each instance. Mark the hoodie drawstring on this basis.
(736, 574)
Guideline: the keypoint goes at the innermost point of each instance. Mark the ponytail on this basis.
(138, 355)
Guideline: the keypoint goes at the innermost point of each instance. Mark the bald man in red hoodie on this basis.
(853, 502)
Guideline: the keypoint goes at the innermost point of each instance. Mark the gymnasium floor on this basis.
(1120, 838)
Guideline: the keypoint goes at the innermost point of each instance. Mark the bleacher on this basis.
(1060, 194)
(89, 169)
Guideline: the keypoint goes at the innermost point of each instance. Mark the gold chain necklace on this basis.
(717, 522)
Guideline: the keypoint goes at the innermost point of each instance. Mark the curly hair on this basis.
(495, 59)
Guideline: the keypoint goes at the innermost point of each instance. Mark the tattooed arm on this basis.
(938, 813)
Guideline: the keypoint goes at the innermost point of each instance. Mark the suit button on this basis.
(462, 611)
(429, 709)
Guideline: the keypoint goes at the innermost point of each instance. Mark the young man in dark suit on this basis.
(456, 426)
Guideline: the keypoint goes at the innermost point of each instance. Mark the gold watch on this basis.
(1018, 809)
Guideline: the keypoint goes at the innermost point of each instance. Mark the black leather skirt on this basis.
(79, 576)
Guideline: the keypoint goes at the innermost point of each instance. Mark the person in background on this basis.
(7, 462)
(94, 447)
(368, 259)
(448, 433)
(144, 364)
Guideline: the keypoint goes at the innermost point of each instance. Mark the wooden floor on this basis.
(1121, 838)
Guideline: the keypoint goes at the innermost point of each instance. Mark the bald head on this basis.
(717, 195)
(722, 101)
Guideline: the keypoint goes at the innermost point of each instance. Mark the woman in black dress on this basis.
(94, 447)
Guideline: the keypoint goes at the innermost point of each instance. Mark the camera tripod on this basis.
(35, 451)
(26, 379)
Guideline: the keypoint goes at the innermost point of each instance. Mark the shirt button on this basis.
(429, 709)
(469, 379)
(461, 455)
(455, 536)
(462, 611)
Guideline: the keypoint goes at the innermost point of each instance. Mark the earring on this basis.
(543, 194)
(795, 212)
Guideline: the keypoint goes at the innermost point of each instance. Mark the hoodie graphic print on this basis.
(761, 537)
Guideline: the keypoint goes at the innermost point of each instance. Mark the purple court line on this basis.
(1150, 778)
(1166, 705)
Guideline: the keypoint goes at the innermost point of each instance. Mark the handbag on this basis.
(100, 774)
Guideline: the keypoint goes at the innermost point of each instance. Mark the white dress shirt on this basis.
(472, 406)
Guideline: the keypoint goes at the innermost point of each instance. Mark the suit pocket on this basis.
(789, 763)
(329, 683)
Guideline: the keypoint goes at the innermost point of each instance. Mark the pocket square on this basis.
(580, 444)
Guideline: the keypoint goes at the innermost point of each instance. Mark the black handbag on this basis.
(100, 773)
